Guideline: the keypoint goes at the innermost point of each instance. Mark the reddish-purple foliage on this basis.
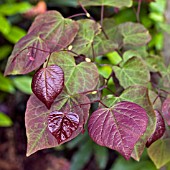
(166, 110)
(48, 83)
(62, 125)
(159, 131)
(119, 127)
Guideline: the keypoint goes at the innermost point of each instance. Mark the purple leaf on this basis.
(48, 83)
(159, 131)
(62, 124)
(24, 58)
(36, 120)
(118, 127)
(166, 110)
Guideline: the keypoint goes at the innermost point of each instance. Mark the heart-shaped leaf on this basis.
(139, 95)
(78, 78)
(166, 110)
(159, 131)
(48, 83)
(133, 72)
(90, 37)
(62, 124)
(49, 32)
(114, 3)
(118, 127)
(36, 120)
(159, 152)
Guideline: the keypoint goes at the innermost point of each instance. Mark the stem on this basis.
(138, 10)
(77, 15)
(70, 51)
(102, 14)
(155, 99)
(48, 60)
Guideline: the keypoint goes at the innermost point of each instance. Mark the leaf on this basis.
(166, 110)
(48, 83)
(78, 78)
(114, 3)
(134, 34)
(159, 152)
(159, 131)
(101, 156)
(139, 95)
(6, 84)
(5, 120)
(23, 84)
(118, 127)
(62, 124)
(82, 156)
(5, 51)
(5, 25)
(36, 120)
(15, 34)
(14, 8)
(24, 58)
(133, 72)
(49, 32)
(57, 31)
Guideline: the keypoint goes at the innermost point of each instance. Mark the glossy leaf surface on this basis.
(36, 120)
(114, 3)
(119, 127)
(62, 124)
(166, 110)
(159, 131)
(48, 83)
(133, 72)
(78, 78)
(139, 95)
(159, 152)
(49, 32)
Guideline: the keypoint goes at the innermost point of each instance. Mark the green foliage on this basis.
(5, 121)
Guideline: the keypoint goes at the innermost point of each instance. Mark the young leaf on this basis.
(49, 32)
(113, 3)
(48, 83)
(5, 120)
(139, 95)
(159, 152)
(133, 72)
(118, 127)
(166, 110)
(78, 78)
(62, 124)
(159, 131)
(36, 120)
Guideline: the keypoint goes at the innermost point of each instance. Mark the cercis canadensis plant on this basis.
(68, 79)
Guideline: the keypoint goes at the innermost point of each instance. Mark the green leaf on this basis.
(114, 3)
(14, 8)
(159, 152)
(101, 155)
(4, 26)
(78, 78)
(114, 57)
(139, 95)
(122, 164)
(5, 50)
(15, 34)
(105, 71)
(23, 84)
(133, 72)
(6, 84)
(134, 34)
(5, 120)
(82, 156)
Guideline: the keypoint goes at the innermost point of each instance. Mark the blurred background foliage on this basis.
(81, 153)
